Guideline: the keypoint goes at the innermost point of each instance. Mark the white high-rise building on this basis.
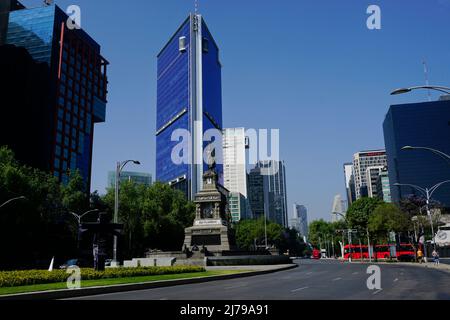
(339, 208)
(372, 174)
(349, 183)
(234, 164)
(361, 161)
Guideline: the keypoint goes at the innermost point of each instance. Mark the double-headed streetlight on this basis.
(442, 89)
(428, 193)
(79, 217)
(12, 200)
(119, 168)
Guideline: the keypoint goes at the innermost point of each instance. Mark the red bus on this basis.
(405, 252)
(358, 252)
(383, 251)
(316, 254)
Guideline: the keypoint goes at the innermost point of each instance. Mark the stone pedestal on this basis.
(212, 234)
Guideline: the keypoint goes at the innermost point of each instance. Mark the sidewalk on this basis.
(265, 268)
(442, 266)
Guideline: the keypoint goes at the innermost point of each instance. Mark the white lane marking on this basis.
(235, 287)
(396, 279)
(163, 299)
(355, 273)
(377, 291)
(299, 289)
(337, 279)
(309, 273)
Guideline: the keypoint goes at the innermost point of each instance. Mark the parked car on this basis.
(70, 263)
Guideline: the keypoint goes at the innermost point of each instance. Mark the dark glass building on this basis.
(420, 125)
(267, 191)
(73, 91)
(189, 98)
(255, 192)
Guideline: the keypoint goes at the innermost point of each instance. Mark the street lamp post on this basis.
(79, 217)
(349, 235)
(442, 89)
(428, 193)
(119, 168)
(11, 200)
(436, 152)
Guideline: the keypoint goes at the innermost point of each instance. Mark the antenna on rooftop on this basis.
(196, 6)
(427, 82)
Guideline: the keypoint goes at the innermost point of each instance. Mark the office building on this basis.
(372, 174)
(383, 186)
(419, 125)
(275, 196)
(339, 208)
(137, 177)
(300, 220)
(255, 185)
(189, 98)
(234, 160)
(71, 74)
(349, 183)
(361, 161)
(239, 207)
(6, 6)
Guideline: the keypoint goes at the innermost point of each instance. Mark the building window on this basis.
(182, 44)
(205, 45)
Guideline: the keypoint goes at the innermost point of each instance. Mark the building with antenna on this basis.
(189, 99)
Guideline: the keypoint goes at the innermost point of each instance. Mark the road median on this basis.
(90, 291)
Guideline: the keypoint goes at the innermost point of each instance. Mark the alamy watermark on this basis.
(260, 149)
(74, 280)
(74, 20)
(374, 280)
(374, 20)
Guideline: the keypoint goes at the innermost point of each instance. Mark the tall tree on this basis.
(359, 212)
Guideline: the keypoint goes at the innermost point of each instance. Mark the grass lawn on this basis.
(113, 281)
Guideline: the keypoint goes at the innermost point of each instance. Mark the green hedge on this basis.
(30, 277)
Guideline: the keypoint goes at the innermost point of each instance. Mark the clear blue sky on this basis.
(310, 68)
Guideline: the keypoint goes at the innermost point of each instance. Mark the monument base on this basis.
(215, 238)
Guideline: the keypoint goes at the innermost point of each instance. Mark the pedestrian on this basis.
(420, 255)
(435, 257)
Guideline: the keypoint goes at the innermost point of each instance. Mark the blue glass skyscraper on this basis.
(189, 98)
(420, 125)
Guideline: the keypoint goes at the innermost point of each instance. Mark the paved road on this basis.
(326, 280)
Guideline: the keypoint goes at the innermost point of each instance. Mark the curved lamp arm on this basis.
(442, 89)
(412, 186)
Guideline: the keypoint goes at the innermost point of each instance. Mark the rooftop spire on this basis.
(196, 6)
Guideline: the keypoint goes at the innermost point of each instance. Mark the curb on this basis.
(403, 264)
(83, 292)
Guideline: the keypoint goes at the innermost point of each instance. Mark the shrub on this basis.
(31, 277)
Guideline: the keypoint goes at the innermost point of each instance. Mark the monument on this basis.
(212, 217)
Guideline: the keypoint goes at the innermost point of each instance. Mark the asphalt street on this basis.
(323, 280)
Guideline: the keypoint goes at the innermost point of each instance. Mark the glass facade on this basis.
(78, 83)
(136, 177)
(178, 104)
(421, 125)
(33, 29)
